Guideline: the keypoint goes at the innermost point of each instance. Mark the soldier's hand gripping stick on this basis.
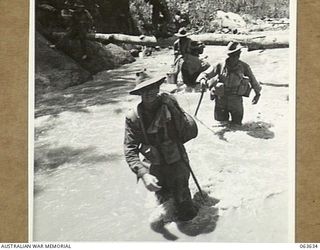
(203, 84)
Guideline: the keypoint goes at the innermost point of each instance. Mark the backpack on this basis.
(186, 132)
(244, 87)
(190, 129)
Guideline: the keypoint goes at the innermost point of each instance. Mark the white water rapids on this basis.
(84, 190)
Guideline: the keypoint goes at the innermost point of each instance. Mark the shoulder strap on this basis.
(142, 125)
(221, 65)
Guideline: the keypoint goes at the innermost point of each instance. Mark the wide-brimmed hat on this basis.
(182, 32)
(233, 47)
(155, 81)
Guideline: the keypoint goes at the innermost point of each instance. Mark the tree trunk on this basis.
(253, 42)
(121, 38)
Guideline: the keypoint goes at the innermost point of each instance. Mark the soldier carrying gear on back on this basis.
(157, 129)
(228, 82)
(186, 58)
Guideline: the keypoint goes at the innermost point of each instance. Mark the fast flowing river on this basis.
(84, 191)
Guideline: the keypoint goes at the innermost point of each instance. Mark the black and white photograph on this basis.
(163, 121)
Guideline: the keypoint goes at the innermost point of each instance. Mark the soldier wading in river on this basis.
(157, 129)
(186, 58)
(229, 82)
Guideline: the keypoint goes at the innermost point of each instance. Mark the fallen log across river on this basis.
(122, 38)
(253, 42)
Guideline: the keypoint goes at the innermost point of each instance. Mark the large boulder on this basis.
(55, 70)
(100, 57)
(230, 20)
(63, 67)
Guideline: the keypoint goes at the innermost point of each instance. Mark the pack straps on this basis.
(222, 66)
(142, 126)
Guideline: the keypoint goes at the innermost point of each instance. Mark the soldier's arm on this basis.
(131, 148)
(209, 73)
(254, 83)
(176, 48)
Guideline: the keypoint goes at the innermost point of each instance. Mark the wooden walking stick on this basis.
(192, 174)
(195, 181)
(200, 100)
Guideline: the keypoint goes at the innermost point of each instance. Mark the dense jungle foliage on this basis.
(133, 16)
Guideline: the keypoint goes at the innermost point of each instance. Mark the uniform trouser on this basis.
(174, 180)
(229, 105)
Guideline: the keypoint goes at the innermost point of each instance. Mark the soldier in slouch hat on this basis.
(187, 58)
(157, 129)
(229, 82)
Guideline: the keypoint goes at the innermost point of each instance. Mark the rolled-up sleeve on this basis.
(209, 73)
(131, 149)
(254, 83)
